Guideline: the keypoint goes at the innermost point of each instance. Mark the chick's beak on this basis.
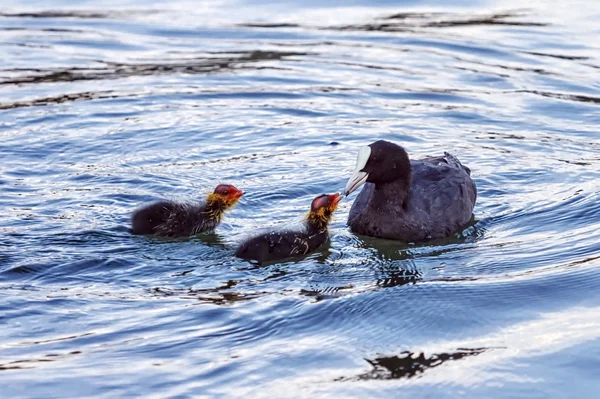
(335, 198)
(236, 194)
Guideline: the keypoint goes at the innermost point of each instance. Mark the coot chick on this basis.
(171, 219)
(275, 245)
(409, 200)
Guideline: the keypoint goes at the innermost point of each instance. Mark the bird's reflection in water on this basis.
(222, 295)
(396, 277)
(387, 275)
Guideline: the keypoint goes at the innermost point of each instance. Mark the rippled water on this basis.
(108, 105)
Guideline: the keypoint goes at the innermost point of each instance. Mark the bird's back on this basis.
(145, 220)
(170, 219)
(277, 245)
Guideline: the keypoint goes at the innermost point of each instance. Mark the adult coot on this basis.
(409, 200)
(171, 219)
(277, 245)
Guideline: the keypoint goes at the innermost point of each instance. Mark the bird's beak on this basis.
(335, 198)
(236, 194)
(357, 179)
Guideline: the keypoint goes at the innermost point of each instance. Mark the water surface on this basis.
(107, 105)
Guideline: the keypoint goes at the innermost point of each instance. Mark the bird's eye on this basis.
(225, 192)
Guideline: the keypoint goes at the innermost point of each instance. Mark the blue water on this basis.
(107, 105)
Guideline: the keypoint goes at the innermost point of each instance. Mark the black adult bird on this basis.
(171, 219)
(278, 245)
(409, 200)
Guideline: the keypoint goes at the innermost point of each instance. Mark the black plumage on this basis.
(279, 245)
(411, 200)
(171, 219)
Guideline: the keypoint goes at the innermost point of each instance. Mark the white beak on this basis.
(359, 177)
(357, 180)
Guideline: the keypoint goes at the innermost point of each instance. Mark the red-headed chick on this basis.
(278, 245)
(171, 219)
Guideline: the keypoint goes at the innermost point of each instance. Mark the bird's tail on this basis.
(452, 160)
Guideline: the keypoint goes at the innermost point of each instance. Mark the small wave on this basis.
(409, 21)
(35, 362)
(121, 70)
(77, 14)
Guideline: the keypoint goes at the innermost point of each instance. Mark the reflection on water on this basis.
(55, 14)
(409, 365)
(118, 70)
(215, 296)
(104, 107)
(408, 22)
(31, 363)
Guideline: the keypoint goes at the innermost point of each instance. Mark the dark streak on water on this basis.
(410, 365)
(105, 107)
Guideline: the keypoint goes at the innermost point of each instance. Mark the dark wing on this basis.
(280, 245)
(442, 195)
(273, 245)
(186, 219)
